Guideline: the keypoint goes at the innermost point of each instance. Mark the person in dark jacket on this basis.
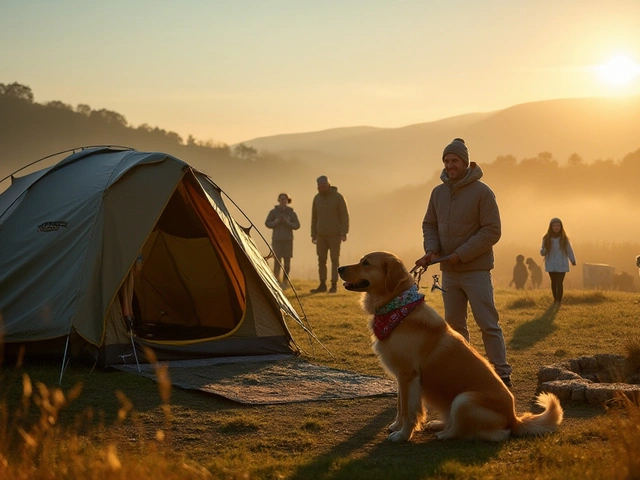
(329, 228)
(462, 223)
(520, 273)
(283, 221)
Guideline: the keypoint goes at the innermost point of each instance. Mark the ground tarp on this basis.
(268, 379)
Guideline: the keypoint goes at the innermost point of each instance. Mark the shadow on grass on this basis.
(534, 331)
(420, 458)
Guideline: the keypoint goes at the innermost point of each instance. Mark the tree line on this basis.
(29, 130)
(25, 124)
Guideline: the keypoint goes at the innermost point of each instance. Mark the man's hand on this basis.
(314, 240)
(453, 258)
(344, 237)
(426, 259)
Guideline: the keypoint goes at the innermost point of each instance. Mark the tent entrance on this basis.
(183, 290)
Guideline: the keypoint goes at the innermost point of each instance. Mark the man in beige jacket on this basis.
(462, 223)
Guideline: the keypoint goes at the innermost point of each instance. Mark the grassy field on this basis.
(110, 424)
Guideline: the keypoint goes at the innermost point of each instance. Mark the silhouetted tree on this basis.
(145, 127)
(245, 152)
(575, 160)
(173, 137)
(631, 161)
(59, 105)
(213, 145)
(109, 116)
(17, 90)
(547, 158)
(83, 109)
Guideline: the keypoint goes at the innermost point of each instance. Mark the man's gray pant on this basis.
(475, 287)
(325, 246)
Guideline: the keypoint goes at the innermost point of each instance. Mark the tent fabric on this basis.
(70, 235)
(246, 244)
(220, 237)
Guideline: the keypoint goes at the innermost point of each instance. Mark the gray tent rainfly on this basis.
(75, 236)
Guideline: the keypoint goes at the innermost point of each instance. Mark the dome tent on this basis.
(71, 235)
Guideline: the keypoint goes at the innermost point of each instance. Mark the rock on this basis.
(594, 380)
(601, 393)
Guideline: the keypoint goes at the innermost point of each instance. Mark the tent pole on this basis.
(133, 344)
(64, 359)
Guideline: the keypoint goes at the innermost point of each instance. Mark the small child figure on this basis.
(520, 273)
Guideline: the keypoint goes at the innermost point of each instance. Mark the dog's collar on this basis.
(389, 316)
(384, 324)
(404, 298)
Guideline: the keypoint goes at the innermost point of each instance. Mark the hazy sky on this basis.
(233, 70)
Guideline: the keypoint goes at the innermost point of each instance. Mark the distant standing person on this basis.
(283, 221)
(329, 228)
(520, 273)
(463, 223)
(557, 253)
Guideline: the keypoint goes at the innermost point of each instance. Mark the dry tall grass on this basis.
(34, 444)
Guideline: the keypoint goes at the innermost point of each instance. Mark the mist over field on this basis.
(577, 159)
(602, 226)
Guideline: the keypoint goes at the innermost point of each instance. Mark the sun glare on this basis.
(618, 71)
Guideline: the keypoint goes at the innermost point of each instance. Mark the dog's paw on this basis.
(395, 426)
(399, 436)
(434, 425)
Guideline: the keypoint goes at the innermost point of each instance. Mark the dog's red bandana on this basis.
(383, 324)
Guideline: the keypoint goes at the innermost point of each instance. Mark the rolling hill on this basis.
(593, 128)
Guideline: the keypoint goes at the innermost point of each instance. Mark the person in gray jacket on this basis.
(462, 224)
(329, 228)
(557, 253)
(283, 221)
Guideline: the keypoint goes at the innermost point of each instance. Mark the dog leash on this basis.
(417, 272)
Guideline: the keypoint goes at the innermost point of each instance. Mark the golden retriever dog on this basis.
(433, 365)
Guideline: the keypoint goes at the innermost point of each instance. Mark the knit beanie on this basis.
(457, 147)
(555, 220)
(322, 179)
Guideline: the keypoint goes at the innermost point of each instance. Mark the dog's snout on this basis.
(341, 269)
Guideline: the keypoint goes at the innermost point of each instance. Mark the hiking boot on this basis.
(321, 288)
(333, 289)
(507, 381)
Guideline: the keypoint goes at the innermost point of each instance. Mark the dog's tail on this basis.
(545, 422)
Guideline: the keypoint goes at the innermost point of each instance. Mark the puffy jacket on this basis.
(329, 214)
(282, 230)
(463, 217)
(556, 260)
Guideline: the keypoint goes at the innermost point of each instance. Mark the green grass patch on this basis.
(109, 424)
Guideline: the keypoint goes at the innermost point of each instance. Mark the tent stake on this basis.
(64, 359)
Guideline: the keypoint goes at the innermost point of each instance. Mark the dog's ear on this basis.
(396, 274)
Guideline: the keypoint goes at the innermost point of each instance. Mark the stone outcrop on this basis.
(595, 380)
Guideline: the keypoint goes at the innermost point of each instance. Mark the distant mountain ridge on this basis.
(593, 128)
